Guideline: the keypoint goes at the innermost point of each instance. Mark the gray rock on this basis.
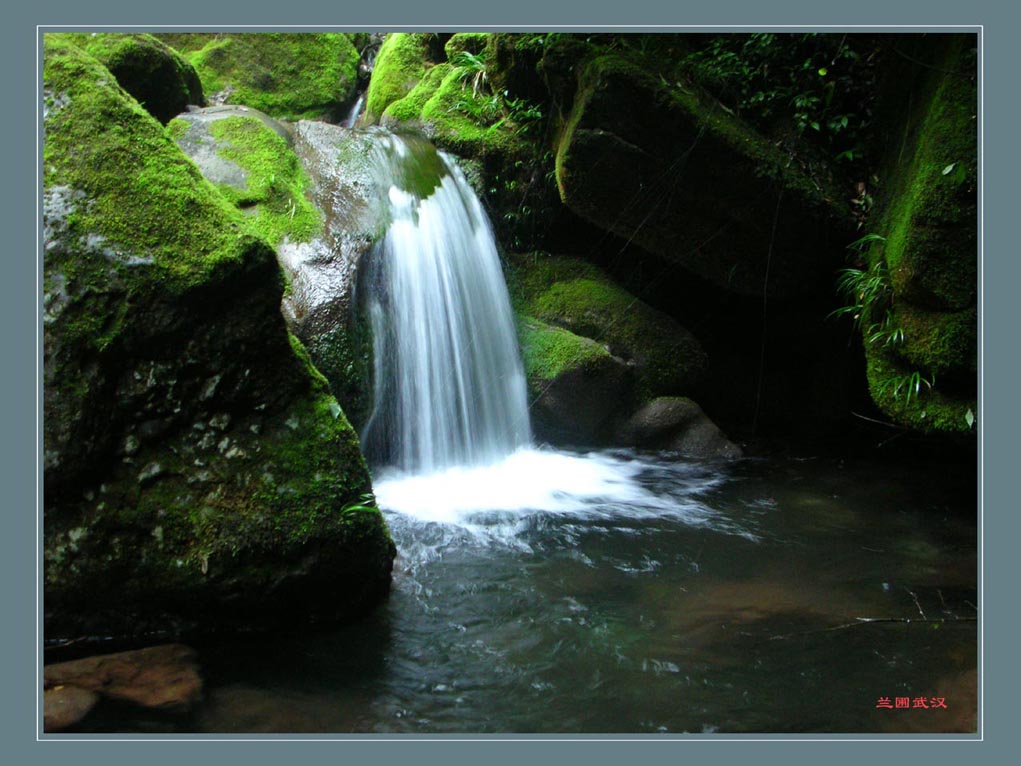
(678, 424)
(204, 149)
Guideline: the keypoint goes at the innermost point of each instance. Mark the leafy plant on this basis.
(910, 385)
(471, 69)
(821, 85)
(366, 503)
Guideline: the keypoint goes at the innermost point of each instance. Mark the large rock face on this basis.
(680, 177)
(928, 257)
(197, 471)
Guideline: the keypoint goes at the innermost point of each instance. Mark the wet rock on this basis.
(164, 678)
(678, 424)
(206, 149)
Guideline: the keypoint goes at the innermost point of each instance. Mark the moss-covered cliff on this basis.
(922, 364)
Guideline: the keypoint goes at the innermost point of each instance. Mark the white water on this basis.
(449, 387)
(449, 434)
(355, 113)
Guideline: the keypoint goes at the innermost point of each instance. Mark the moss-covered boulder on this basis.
(575, 386)
(287, 76)
(672, 171)
(402, 61)
(248, 156)
(927, 254)
(160, 78)
(197, 471)
(577, 296)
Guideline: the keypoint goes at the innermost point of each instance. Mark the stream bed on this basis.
(673, 597)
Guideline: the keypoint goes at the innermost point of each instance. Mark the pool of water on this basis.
(639, 593)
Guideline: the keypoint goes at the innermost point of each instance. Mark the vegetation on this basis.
(287, 76)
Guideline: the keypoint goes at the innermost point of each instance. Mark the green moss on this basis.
(162, 81)
(575, 295)
(147, 203)
(177, 128)
(931, 219)
(400, 64)
(469, 42)
(471, 124)
(288, 76)
(931, 411)
(549, 351)
(942, 343)
(275, 181)
(410, 107)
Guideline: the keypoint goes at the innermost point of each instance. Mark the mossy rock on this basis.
(409, 108)
(467, 124)
(942, 343)
(931, 223)
(577, 296)
(467, 42)
(248, 156)
(932, 411)
(575, 386)
(673, 172)
(198, 474)
(159, 78)
(288, 76)
(678, 424)
(927, 215)
(401, 62)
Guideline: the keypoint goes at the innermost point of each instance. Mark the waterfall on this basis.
(449, 385)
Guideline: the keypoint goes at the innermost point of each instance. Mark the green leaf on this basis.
(949, 168)
(823, 72)
(969, 418)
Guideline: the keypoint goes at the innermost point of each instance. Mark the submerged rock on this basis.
(64, 706)
(678, 424)
(160, 677)
(164, 346)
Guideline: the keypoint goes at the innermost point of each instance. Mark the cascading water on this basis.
(449, 383)
(449, 434)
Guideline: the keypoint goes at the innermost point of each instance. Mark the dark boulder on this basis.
(677, 424)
